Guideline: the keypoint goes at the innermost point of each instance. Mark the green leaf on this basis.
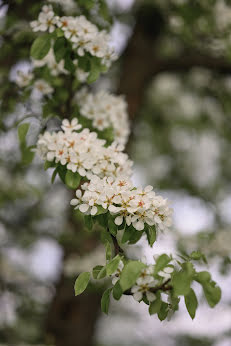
(48, 164)
(26, 154)
(88, 4)
(95, 70)
(113, 265)
(135, 237)
(117, 291)
(161, 263)
(128, 233)
(62, 172)
(22, 132)
(102, 273)
(191, 303)
(72, 180)
(108, 249)
(112, 226)
(96, 270)
(106, 238)
(151, 235)
(68, 64)
(197, 255)
(82, 282)
(162, 314)
(60, 48)
(102, 220)
(106, 300)
(88, 222)
(155, 306)
(54, 175)
(212, 293)
(41, 47)
(203, 277)
(130, 273)
(103, 11)
(181, 280)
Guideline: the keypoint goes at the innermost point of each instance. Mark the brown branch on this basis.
(117, 248)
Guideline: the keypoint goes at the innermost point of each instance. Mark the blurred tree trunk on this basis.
(71, 320)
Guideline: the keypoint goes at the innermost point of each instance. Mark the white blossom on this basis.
(134, 206)
(105, 110)
(23, 79)
(46, 20)
(43, 87)
(84, 36)
(83, 152)
(144, 286)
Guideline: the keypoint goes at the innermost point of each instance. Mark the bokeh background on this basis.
(174, 69)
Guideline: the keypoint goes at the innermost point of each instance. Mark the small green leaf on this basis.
(102, 220)
(54, 175)
(191, 303)
(22, 132)
(41, 47)
(72, 180)
(161, 263)
(26, 154)
(68, 64)
(155, 306)
(162, 314)
(62, 172)
(151, 235)
(95, 70)
(197, 255)
(117, 291)
(135, 237)
(108, 249)
(128, 233)
(203, 277)
(48, 164)
(82, 282)
(212, 293)
(130, 273)
(96, 270)
(113, 265)
(88, 222)
(112, 226)
(60, 47)
(106, 300)
(181, 280)
(102, 273)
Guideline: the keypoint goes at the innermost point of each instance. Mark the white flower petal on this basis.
(84, 208)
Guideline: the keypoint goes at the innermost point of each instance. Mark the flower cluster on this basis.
(83, 152)
(135, 206)
(105, 110)
(146, 283)
(148, 280)
(83, 35)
